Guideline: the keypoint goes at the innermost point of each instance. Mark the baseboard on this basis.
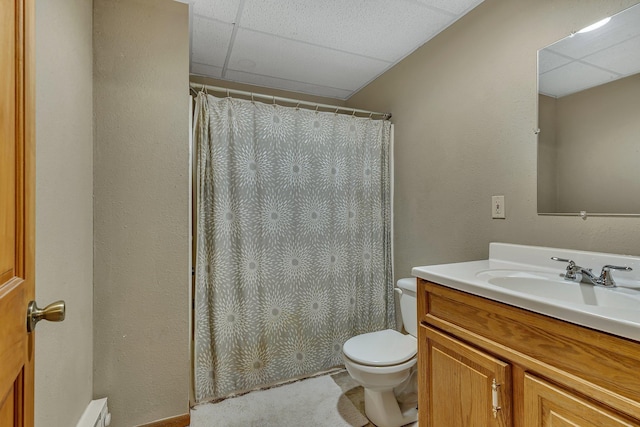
(179, 421)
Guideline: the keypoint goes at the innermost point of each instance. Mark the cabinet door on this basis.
(550, 406)
(465, 387)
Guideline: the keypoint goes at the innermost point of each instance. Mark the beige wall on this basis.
(141, 234)
(597, 134)
(547, 155)
(64, 209)
(465, 106)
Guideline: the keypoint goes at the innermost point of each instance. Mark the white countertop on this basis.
(471, 276)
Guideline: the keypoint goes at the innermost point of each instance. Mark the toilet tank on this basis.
(408, 304)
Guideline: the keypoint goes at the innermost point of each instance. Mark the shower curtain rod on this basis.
(253, 95)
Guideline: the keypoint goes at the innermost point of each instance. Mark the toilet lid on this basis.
(381, 348)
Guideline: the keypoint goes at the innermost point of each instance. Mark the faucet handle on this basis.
(606, 278)
(571, 268)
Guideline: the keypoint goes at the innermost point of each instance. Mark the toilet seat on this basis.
(381, 348)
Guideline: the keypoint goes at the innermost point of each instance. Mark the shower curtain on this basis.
(293, 241)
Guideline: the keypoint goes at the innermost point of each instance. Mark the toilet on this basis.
(384, 363)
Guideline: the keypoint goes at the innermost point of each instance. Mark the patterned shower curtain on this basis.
(293, 241)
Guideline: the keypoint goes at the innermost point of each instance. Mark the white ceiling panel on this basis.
(351, 26)
(210, 41)
(456, 7)
(297, 61)
(572, 78)
(593, 58)
(323, 47)
(622, 26)
(222, 10)
(580, 45)
(276, 83)
(206, 70)
(623, 58)
(548, 60)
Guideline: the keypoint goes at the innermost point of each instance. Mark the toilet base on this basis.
(382, 409)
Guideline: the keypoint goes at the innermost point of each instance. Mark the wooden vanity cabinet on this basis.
(551, 406)
(462, 383)
(487, 364)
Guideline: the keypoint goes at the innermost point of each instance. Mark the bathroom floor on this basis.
(347, 390)
(355, 393)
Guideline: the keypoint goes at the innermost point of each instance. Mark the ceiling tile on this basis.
(276, 83)
(222, 10)
(210, 41)
(572, 78)
(290, 60)
(622, 27)
(622, 58)
(548, 60)
(456, 7)
(323, 47)
(366, 27)
(206, 70)
(603, 55)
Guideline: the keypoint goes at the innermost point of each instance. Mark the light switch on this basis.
(497, 207)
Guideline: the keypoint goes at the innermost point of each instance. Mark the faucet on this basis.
(586, 274)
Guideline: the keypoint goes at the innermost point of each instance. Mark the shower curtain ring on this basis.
(370, 116)
(317, 108)
(353, 114)
(228, 95)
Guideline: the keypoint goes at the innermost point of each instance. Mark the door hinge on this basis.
(494, 398)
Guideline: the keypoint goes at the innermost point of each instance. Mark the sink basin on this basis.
(527, 277)
(553, 286)
(519, 275)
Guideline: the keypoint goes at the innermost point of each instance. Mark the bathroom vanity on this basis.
(501, 353)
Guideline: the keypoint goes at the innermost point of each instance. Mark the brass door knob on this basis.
(54, 312)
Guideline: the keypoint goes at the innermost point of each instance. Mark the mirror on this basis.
(589, 120)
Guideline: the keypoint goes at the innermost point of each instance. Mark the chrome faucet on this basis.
(586, 274)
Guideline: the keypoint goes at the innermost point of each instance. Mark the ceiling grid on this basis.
(327, 48)
(589, 59)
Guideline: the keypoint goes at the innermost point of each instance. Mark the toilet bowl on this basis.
(384, 362)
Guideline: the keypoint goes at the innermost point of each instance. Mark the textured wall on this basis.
(64, 213)
(547, 155)
(465, 106)
(141, 158)
(597, 133)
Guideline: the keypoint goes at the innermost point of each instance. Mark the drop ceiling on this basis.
(590, 59)
(328, 48)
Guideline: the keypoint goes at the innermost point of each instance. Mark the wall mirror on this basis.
(589, 120)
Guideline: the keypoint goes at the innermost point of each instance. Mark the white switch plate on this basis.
(497, 207)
